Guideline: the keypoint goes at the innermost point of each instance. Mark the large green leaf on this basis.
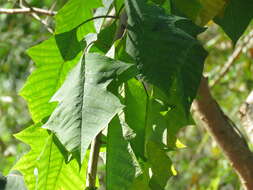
(50, 72)
(53, 171)
(171, 81)
(235, 18)
(85, 105)
(35, 137)
(74, 13)
(44, 167)
(150, 33)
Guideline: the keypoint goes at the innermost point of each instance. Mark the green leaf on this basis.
(120, 51)
(189, 8)
(118, 4)
(53, 173)
(236, 18)
(85, 105)
(160, 172)
(141, 182)
(209, 10)
(68, 44)
(35, 137)
(136, 100)
(51, 70)
(104, 39)
(44, 167)
(121, 164)
(144, 117)
(171, 81)
(181, 57)
(74, 13)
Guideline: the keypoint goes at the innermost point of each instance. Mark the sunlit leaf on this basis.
(44, 167)
(48, 76)
(53, 171)
(74, 13)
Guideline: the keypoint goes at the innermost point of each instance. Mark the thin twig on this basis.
(27, 11)
(51, 9)
(235, 55)
(43, 22)
(23, 4)
(97, 17)
(92, 165)
(33, 11)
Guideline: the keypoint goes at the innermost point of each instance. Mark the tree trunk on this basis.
(225, 133)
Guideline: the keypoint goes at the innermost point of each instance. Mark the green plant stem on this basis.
(93, 162)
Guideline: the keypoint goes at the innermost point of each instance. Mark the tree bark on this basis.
(225, 133)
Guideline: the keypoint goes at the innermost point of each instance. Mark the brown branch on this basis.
(93, 162)
(27, 11)
(232, 58)
(36, 16)
(225, 133)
